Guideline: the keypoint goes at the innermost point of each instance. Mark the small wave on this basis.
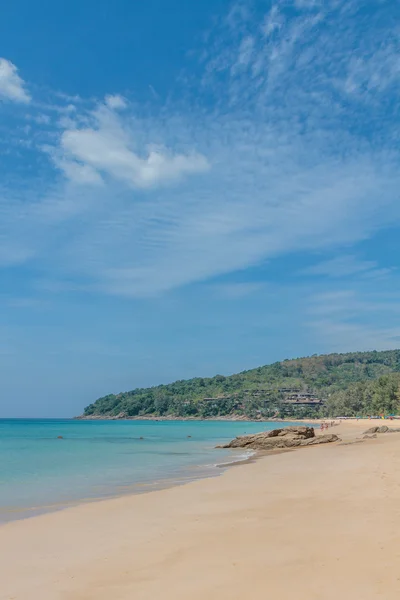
(236, 459)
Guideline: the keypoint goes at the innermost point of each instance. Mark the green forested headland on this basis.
(357, 383)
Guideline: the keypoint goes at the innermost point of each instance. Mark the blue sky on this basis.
(192, 188)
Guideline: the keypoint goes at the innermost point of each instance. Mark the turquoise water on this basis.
(39, 472)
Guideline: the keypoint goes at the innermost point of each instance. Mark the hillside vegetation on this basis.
(356, 383)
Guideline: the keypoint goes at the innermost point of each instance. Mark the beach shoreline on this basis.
(175, 418)
(195, 472)
(233, 418)
(115, 459)
(283, 523)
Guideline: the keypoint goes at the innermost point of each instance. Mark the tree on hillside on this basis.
(386, 395)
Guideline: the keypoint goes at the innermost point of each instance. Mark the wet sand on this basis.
(316, 523)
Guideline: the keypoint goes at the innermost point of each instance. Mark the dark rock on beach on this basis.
(371, 430)
(322, 439)
(382, 429)
(287, 437)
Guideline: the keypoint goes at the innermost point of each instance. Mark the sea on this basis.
(51, 464)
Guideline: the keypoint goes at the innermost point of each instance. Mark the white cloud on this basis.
(107, 148)
(12, 87)
(78, 172)
(115, 101)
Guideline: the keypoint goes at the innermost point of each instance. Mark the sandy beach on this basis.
(316, 523)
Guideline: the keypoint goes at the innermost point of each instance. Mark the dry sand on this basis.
(315, 523)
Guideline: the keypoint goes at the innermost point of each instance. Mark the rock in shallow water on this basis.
(287, 437)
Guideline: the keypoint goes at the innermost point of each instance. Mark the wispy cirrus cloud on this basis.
(375, 72)
(356, 318)
(347, 265)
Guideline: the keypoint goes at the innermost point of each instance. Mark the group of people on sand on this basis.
(326, 424)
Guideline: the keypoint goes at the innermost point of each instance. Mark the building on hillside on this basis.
(308, 400)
